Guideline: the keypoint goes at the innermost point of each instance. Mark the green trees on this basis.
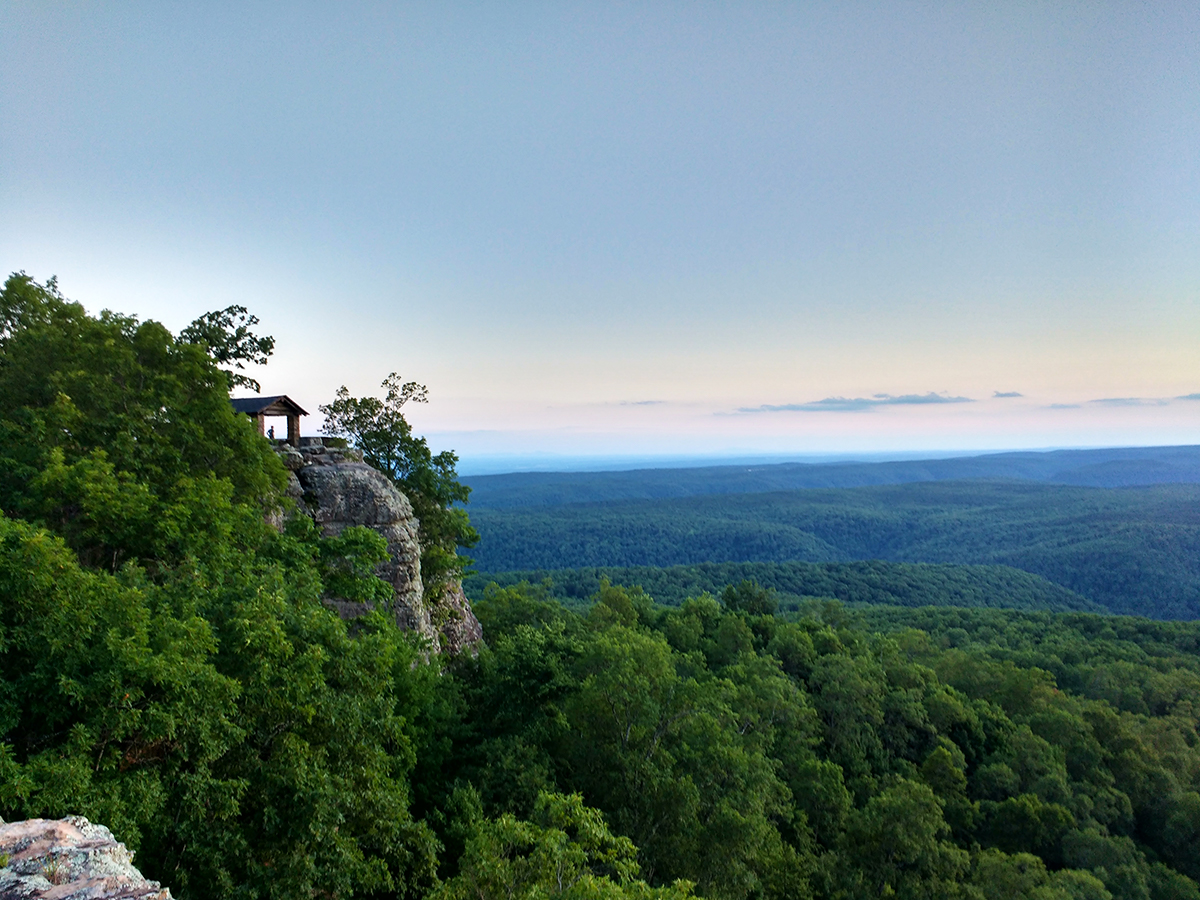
(227, 728)
(814, 757)
(166, 664)
(566, 851)
(678, 755)
(226, 336)
(118, 437)
(379, 429)
(898, 845)
(1123, 550)
(869, 581)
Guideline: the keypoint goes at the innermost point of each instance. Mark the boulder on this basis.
(459, 628)
(69, 859)
(336, 488)
(338, 493)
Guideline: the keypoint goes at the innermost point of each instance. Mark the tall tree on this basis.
(226, 335)
(429, 480)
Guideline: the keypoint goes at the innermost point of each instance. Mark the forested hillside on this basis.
(1109, 467)
(1132, 550)
(809, 755)
(899, 584)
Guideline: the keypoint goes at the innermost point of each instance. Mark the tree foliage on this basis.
(1131, 551)
(166, 664)
(120, 438)
(868, 581)
(566, 851)
(429, 480)
(227, 337)
(807, 754)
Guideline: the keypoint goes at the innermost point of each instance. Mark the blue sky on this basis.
(635, 229)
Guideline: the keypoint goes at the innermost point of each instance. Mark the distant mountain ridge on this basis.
(1108, 467)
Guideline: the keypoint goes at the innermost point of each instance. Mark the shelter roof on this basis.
(279, 405)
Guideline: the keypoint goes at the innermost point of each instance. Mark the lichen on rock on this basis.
(69, 859)
(455, 620)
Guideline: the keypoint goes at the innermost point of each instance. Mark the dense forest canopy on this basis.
(894, 584)
(820, 753)
(1131, 550)
(167, 667)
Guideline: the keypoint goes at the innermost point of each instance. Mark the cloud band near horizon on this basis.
(857, 404)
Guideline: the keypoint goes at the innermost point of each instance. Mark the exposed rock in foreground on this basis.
(69, 859)
(336, 488)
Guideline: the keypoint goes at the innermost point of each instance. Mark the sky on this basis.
(618, 230)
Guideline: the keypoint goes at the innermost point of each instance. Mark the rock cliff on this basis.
(69, 859)
(337, 489)
(459, 628)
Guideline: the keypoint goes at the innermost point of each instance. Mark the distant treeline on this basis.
(1110, 467)
(1132, 550)
(895, 584)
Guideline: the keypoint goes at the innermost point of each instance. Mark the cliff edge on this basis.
(337, 489)
(69, 859)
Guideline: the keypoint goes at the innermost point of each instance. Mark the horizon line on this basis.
(480, 464)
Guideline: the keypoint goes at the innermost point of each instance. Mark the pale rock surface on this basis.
(339, 490)
(459, 628)
(69, 859)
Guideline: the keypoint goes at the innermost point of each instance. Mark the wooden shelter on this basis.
(259, 408)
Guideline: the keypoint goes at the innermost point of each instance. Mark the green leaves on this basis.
(167, 666)
(566, 851)
(379, 429)
(227, 338)
(347, 564)
(897, 842)
(110, 429)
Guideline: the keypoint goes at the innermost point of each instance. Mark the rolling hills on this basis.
(1131, 550)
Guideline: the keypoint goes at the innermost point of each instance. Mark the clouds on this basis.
(857, 404)
(1130, 401)
(1122, 402)
(875, 401)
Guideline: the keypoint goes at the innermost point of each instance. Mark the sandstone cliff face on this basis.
(339, 490)
(69, 859)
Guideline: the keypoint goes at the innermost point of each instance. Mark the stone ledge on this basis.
(69, 859)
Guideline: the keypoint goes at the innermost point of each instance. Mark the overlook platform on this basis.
(281, 406)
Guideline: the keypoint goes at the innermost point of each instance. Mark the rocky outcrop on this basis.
(456, 623)
(69, 859)
(334, 486)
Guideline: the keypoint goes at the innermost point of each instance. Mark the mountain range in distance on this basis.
(1106, 467)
